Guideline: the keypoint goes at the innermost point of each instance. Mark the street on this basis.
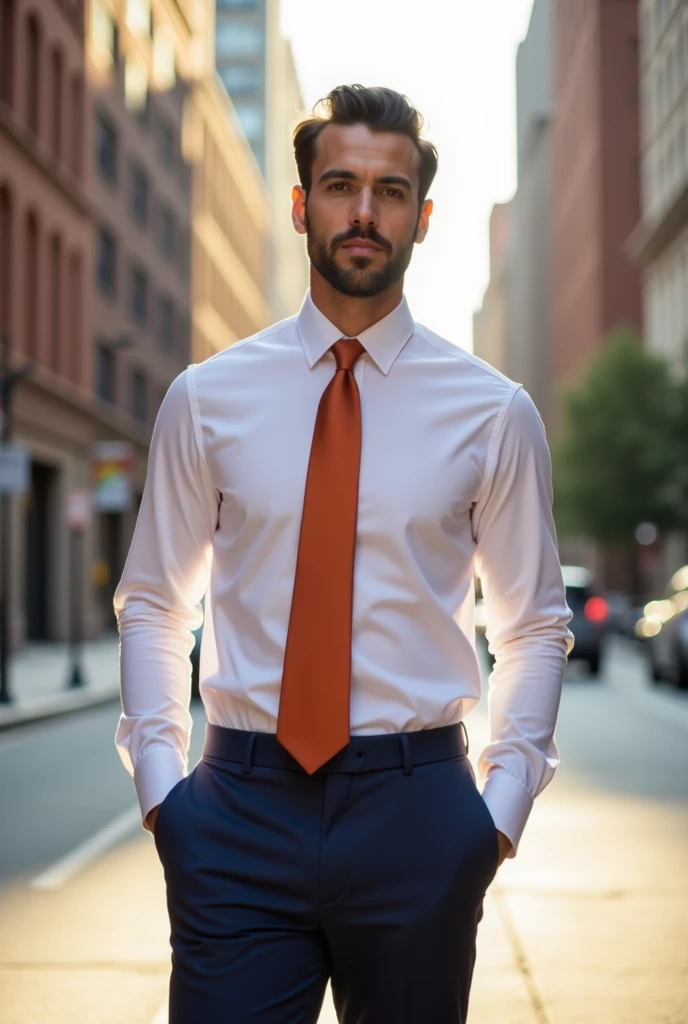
(588, 924)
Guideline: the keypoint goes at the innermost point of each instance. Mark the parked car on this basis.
(664, 629)
(590, 622)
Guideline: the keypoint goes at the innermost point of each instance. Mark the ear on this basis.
(424, 220)
(298, 209)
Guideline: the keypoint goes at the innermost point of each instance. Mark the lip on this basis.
(361, 247)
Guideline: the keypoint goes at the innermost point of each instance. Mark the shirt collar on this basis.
(383, 341)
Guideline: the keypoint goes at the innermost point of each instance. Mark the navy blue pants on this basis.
(370, 873)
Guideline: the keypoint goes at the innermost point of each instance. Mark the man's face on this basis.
(361, 216)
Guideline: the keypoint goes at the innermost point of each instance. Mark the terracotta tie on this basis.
(313, 720)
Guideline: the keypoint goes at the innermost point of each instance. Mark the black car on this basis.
(590, 622)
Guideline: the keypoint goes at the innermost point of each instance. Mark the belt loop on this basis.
(406, 751)
(248, 754)
(465, 732)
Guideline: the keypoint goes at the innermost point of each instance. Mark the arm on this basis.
(157, 601)
(518, 562)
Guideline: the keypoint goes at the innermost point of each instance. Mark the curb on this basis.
(54, 707)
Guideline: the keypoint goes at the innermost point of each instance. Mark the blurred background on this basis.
(145, 176)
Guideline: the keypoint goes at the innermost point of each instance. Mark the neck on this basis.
(350, 315)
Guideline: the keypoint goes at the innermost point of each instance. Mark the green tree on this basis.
(619, 461)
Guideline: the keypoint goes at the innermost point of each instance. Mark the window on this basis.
(33, 69)
(166, 238)
(139, 396)
(166, 324)
(6, 248)
(105, 373)
(239, 5)
(167, 146)
(7, 48)
(139, 17)
(104, 36)
(56, 302)
(106, 148)
(106, 261)
(136, 86)
(164, 61)
(243, 39)
(31, 287)
(76, 115)
(139, 193)
(138, 295)
(56, 90)
(239, 81)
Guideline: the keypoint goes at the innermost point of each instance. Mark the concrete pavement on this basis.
(39, 677)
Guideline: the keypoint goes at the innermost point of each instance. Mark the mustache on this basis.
(371, 235)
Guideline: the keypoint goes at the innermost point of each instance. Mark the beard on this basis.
(359, 281)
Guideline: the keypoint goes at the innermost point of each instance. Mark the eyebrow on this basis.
(386, 179)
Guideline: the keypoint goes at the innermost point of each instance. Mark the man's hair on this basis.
(382, 110)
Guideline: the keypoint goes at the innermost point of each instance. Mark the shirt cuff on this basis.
(509, 803)
(155, 775)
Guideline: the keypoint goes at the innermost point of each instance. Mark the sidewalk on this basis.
(39, 677)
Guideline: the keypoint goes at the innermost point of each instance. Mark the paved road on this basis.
(588, 924)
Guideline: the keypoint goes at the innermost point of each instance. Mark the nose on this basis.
(364, 211)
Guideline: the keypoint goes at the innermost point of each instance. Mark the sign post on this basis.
(78, 520)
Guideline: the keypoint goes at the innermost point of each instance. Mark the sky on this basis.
(456, 61)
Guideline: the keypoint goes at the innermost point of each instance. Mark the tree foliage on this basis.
(624, 452)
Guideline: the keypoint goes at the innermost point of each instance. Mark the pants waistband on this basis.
(362, 753)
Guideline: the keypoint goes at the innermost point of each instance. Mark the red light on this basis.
(596, 609)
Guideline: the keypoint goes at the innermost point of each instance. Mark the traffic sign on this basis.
(14, 469)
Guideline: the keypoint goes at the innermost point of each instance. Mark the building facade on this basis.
(288, 259)
(529, 350)
(45, 266)
(231, 225)
(491, 323)
(659, 243)
(141, 204)
(595, 181)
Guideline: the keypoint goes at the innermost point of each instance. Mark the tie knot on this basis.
(346, 352)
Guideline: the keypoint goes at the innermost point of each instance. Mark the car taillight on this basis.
(596, 609)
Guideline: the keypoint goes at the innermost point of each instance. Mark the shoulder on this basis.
(466, 361)
(243, 351)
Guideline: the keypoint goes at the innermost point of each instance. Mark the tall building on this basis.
(595, 180)
(529, 350)
(491, 327)
(595, 204)
(45, 273)
(256, 66)
(288, 260)
(659, 243)
(231, 225)
(141, 192)
(242, 44)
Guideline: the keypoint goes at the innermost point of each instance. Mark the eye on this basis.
(394, 192)
(338, 186)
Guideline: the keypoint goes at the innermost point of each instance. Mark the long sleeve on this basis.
(517, 560)
(158, 599)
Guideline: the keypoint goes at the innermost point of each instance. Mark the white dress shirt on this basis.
(455, 478)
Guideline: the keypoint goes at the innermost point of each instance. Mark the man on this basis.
(335, 482)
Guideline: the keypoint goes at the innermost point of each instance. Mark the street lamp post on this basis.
(8, 380)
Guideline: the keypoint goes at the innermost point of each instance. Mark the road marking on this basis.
(79, 858)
